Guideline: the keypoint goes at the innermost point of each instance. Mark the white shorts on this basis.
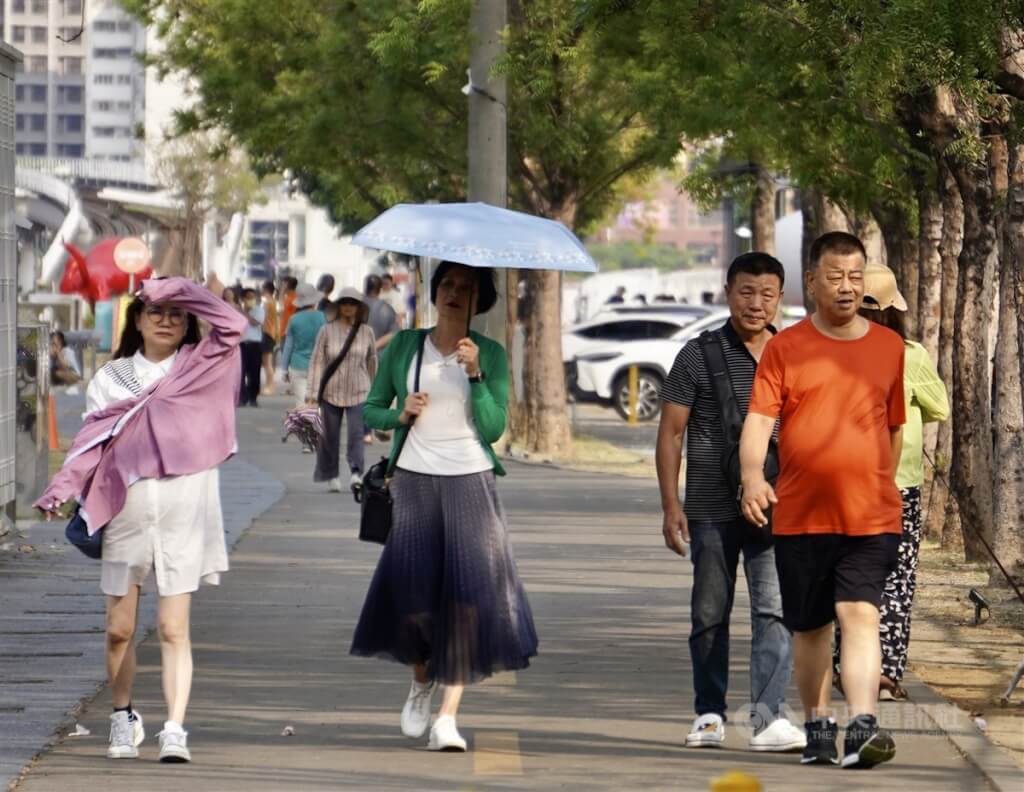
(173, 526)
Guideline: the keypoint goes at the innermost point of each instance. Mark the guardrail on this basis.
(89, 170)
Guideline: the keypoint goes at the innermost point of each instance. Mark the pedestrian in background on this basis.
(709, 522)
(64, 368)
(300, 339)
(157, 498)
(836, 381)
(392, 295)
(252, 349)
(341, 392)
(325, 285)
(446, 597)
(925, 399)
(270, 335)
(288, 286)
(384, 323)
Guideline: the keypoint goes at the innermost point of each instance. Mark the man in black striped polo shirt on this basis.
(711, 525)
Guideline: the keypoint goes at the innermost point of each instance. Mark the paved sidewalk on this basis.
(52, 614)
(605, 706)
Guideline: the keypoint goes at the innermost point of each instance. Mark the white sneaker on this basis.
(444, 736)
(356, 481)
(708, 732)
(174, 743)
(780, 736)
(334, 485)
(126, 735)
(416, 712)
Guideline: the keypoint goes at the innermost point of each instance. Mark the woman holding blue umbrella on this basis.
(446, 597)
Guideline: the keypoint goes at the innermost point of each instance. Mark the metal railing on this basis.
(89, 170)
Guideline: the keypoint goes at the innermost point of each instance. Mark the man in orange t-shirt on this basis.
(835, 381)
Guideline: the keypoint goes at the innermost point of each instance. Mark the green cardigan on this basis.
(490, 397)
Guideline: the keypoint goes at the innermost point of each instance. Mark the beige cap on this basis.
(881, 290)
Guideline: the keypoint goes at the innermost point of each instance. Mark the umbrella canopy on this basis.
(478, 235)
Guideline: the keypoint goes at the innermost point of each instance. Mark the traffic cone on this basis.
(51, 422)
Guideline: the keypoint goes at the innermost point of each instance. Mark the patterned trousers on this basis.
(898, 596)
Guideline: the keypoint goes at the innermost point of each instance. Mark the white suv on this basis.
(602, 373)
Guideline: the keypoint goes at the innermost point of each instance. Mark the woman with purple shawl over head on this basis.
(160, 420)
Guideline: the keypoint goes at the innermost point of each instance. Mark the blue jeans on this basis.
(716, 548)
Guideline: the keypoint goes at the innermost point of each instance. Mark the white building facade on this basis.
(115, 84)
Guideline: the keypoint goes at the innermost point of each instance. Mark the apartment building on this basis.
(80, 90)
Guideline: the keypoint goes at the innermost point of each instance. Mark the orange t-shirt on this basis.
(838, 401)
(287, 311)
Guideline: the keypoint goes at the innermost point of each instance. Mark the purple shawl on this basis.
(184, 423)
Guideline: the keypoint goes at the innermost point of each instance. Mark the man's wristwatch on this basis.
(478, 378)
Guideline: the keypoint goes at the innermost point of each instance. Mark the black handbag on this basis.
(711, 344)
(77, 534)
(375, 494)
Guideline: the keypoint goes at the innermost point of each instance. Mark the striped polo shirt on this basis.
(708, 496)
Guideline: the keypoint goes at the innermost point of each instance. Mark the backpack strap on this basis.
(712, 347)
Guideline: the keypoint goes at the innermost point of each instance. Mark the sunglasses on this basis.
(156, 314)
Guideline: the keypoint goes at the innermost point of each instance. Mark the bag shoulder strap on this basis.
(712, 345)
(122, 371)
(333, 366)
(416, 387)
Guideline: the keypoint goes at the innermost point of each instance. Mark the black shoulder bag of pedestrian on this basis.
(712, 345)
(375, 494)
(332, 367)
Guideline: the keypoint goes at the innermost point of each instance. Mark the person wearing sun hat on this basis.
(341, 388)
(926, 401)
(300, 338)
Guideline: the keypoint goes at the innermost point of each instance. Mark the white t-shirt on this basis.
(395, 299)
(443, 440)
(105, 390)
(254, 332)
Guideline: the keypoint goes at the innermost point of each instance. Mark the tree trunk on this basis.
(902, 256)
(548, 431)
(950, 247)
(929, 239)
(1008, 409)
(762, 213)
(820, 215)
(972, 435)
(513, 346)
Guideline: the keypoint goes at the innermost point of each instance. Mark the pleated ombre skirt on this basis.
(446, 592)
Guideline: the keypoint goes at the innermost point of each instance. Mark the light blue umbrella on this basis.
(478, 235)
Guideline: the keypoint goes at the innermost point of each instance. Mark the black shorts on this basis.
(818, 570)
(268, 344)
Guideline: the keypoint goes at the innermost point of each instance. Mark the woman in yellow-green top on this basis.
(926, 401)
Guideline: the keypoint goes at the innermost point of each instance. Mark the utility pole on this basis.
(488, 130)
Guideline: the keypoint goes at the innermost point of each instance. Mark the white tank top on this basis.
(443, 440)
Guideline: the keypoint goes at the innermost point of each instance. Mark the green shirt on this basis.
(926, 400)
(490, 397)
(300, 338)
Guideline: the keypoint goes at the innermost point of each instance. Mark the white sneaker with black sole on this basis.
(444, 736)
(708, 732)
(126, 735)
(780, 736)
(174, 743)
(416, 712)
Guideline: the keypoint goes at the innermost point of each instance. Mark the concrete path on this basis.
(605, 706)
(52, 614)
